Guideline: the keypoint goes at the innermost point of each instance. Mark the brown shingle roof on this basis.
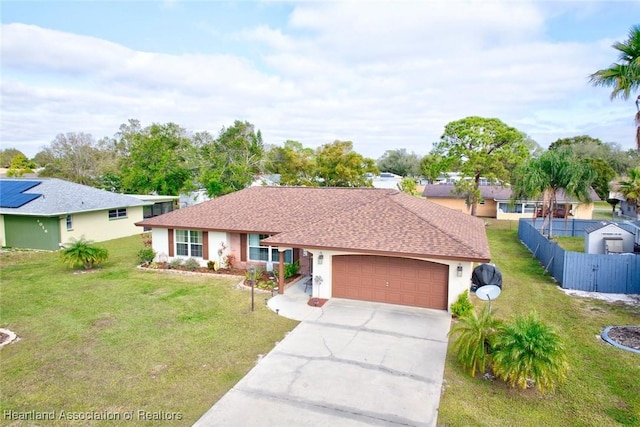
(358, 219)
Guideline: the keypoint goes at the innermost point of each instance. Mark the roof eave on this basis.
(474, 258)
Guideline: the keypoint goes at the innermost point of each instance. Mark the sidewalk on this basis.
(293, 303)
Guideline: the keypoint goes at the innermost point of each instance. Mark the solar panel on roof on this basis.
(11, 193)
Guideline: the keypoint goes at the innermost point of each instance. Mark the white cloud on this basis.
(383, 74)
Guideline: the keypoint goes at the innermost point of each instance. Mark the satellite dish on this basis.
(485, 274)
(488, 292)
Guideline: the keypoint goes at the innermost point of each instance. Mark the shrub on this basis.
(462, 306)
(175, 263)
(191, 264)
(257, 275)
(266, 285)
(146, 255)
(84, 253)
(213, 265)
(291, 270)
(229, 261)
(528, 350)
(475, 337)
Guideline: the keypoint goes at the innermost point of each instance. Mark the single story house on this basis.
(606, 237)
(496, 202)
(359, 243)
(45, 213)
(159, 204)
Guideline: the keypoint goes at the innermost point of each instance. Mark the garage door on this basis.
(390, 280)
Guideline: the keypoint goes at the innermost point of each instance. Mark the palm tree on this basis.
(630, 188)
(554, 170)
(529, 351)
(84, 253)
(624, 76)
(475, 335)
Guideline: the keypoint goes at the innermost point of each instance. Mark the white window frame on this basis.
(69, 220)
(118, 213)
(189, 243)
(272, 251)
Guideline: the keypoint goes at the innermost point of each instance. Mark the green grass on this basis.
(119, 340)
(602, 387)
(575, 244)
(602, 210)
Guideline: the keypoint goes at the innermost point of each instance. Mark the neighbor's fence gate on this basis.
(574, 270)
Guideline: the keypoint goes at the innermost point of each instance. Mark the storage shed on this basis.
(607, 238)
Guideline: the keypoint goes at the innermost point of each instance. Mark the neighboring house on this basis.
(385, 180)
(626, 207)
(193, 198)
(629, 209)
(453, 177)
(45, 213)
(359, 243)
(496, 202)
(607, 238)
(268, 180)
(160, 204)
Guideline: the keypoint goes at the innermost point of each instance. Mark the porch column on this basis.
(280, 272)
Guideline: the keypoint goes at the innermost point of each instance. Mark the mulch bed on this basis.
(317, 302)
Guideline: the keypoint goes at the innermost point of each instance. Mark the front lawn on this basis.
(118, 342)
(602, 387)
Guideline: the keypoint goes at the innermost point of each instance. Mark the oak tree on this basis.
(481, 148)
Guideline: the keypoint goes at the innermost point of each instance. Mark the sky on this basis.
(384, 74)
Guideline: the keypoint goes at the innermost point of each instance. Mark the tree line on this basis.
(167, 159)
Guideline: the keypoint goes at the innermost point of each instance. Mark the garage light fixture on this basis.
(459, 270)
(320, 258)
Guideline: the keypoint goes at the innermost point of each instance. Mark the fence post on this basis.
(546, 269)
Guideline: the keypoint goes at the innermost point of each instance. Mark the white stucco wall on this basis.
(160, 243)
(594, 241)
(98, 227)
(457, 285)
(215, 240)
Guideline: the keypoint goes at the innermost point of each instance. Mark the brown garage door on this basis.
(390, 280)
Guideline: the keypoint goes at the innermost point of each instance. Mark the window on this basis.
(69, 223)
(117, 213)
(527, 208)
(189, 243)
(510, 208)
(265, 253)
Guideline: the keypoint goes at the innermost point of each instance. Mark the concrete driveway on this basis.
(356, 363)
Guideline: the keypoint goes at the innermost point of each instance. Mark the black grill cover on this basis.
(485, 274)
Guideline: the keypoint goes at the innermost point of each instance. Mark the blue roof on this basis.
(12, 193)
(52, 197)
